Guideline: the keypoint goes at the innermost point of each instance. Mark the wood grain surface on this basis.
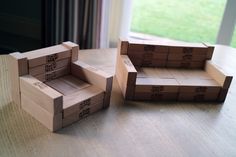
(127, 128)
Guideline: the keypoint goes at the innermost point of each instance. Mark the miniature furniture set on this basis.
(57, 89)
(148, 71)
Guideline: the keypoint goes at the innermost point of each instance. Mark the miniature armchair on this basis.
(55, 88)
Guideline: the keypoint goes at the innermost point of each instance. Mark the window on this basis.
(186, 20)
(233, 43)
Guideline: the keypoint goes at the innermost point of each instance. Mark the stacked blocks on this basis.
(148, 71)
(57, 89)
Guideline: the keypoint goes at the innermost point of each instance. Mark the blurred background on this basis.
(27, 25)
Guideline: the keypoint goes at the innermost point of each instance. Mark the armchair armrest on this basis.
(126, 76)
(41, 102)
(220, 76)
(94, 76)
(41, 94)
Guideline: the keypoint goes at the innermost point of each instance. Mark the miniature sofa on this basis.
(57, 89)
(146, 70)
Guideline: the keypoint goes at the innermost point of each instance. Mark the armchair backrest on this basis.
(44, 64)
(52, 62)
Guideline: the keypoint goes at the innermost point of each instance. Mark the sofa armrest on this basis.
(223, 78)
(126, 76)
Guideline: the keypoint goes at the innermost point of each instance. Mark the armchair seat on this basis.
(79, 98)
(57, 89)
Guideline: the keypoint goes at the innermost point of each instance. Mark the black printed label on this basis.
(51, 58)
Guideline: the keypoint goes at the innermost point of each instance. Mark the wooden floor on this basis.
(132, 129)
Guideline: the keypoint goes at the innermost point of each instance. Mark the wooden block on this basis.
(189, 74)
(174, 50)
(162, 73)
(148, 60)
(150, 72)
(210, 50)
(177, 64)
(200, 51)
(85, 112)
(47, 55)
(162, 49)
(94, 101)
(107, 98)
(189, 96)
(195, 74)
(155, 96)
(71, 101)
(198, 85)
(217, 74)
(179, 56)
(52, 122)
(199, 89)
(136, 61)
(158, 63)
(92, 75)
(197, 64)
(156, 88)
(53, 74)
(123, 46)
(70, 119)
(185, 64)
(136, 54)
(197, 53)
(177, 73)
(160, 55)
(157, 81)
(67, 84)
(156, 85)
(186, 57)
(140, 72)
(82, 113)
(74, 48)
(40, 93)
(222, 95)
(49, 67)
(142, 96)
(164, 96)
(126, 76)
(135, 46)
(90, 101)
(17, 66)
